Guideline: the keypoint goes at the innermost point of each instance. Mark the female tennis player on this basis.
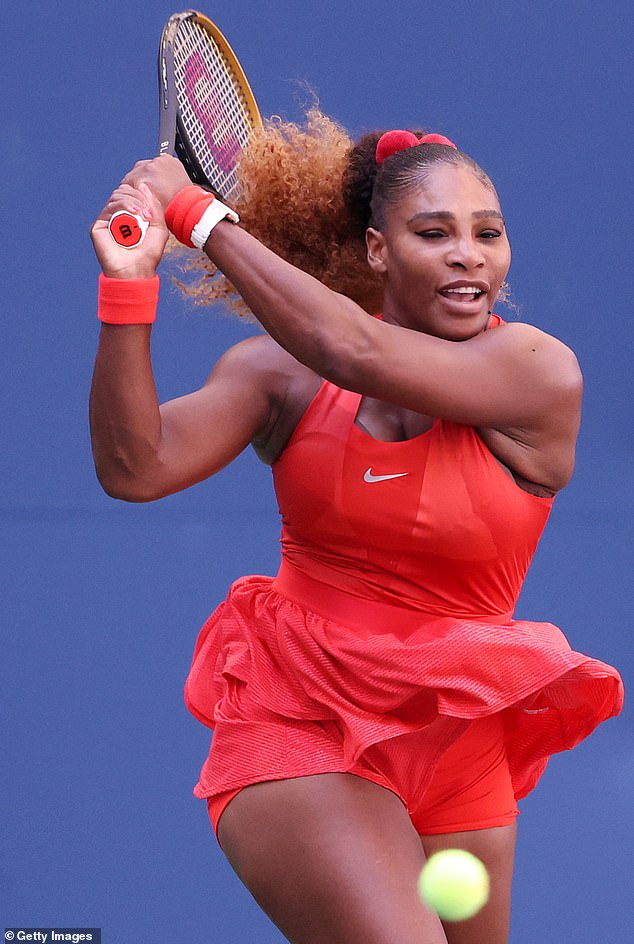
(376, 701)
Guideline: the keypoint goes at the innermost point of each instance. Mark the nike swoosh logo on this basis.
(368, 477)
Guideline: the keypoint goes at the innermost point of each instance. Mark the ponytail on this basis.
(292, 200)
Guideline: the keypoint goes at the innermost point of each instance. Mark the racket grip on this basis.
(127, 229)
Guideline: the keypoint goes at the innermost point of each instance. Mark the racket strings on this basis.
(213, 108)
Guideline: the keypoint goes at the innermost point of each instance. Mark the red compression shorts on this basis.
(470, 789)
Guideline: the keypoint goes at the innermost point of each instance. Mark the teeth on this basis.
(465, 290)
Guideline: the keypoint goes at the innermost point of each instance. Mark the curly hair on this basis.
(291, 199)
(309, 193)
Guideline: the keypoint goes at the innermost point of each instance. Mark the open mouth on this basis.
(464, 294)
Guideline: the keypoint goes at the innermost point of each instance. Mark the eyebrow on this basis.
(446, 215)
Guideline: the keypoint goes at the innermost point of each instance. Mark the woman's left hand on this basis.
(165, 176)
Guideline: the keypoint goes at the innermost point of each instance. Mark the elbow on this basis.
(130, 495)
(128, 477)
(127, 487)
(126, 491)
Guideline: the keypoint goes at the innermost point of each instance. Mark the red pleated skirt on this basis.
(361, 673)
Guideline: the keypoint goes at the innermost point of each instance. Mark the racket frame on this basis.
(173, 137)
(182, 145)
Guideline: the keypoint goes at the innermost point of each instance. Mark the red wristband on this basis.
(185, 210)
(128, 301)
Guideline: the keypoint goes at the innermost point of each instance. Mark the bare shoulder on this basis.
(258, 358)
(540, 452)
(261, 363)
(522, 333)
(526, 343)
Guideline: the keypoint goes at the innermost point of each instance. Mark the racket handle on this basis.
(127, 229)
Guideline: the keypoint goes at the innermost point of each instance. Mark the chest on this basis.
(439, 493)
(387, 423)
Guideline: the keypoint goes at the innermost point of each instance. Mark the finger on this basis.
(130, 199)
(150, 199)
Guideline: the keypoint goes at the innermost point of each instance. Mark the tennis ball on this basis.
(454, 883)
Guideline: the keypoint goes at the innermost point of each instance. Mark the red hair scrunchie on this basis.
(393, 141)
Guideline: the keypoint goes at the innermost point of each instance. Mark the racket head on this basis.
(168, 102)
(208, 110)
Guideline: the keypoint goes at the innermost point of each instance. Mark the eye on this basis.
(431, 234)
(490, 234)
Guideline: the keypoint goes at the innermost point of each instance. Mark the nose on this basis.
(465, 253)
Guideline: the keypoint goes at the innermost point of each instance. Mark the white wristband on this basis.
(215, 212)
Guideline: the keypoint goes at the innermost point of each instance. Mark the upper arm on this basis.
(512, 376)
(204, 431)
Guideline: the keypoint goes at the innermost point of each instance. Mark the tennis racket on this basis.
(207, 112)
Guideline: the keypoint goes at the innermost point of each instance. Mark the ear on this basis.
(377, 250)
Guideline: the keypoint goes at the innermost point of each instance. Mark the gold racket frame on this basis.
(227, 51)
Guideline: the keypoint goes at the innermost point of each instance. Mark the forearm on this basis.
(320, 328)
(125, 419)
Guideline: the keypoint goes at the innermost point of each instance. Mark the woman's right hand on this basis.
(142, 261)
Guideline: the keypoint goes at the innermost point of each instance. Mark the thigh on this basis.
(330, 857)
(496, 848)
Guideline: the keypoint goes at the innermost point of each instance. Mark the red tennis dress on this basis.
(392, 613)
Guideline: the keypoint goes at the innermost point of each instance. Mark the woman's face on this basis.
(439, 241)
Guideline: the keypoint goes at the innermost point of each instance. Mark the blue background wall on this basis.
(102, 601)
